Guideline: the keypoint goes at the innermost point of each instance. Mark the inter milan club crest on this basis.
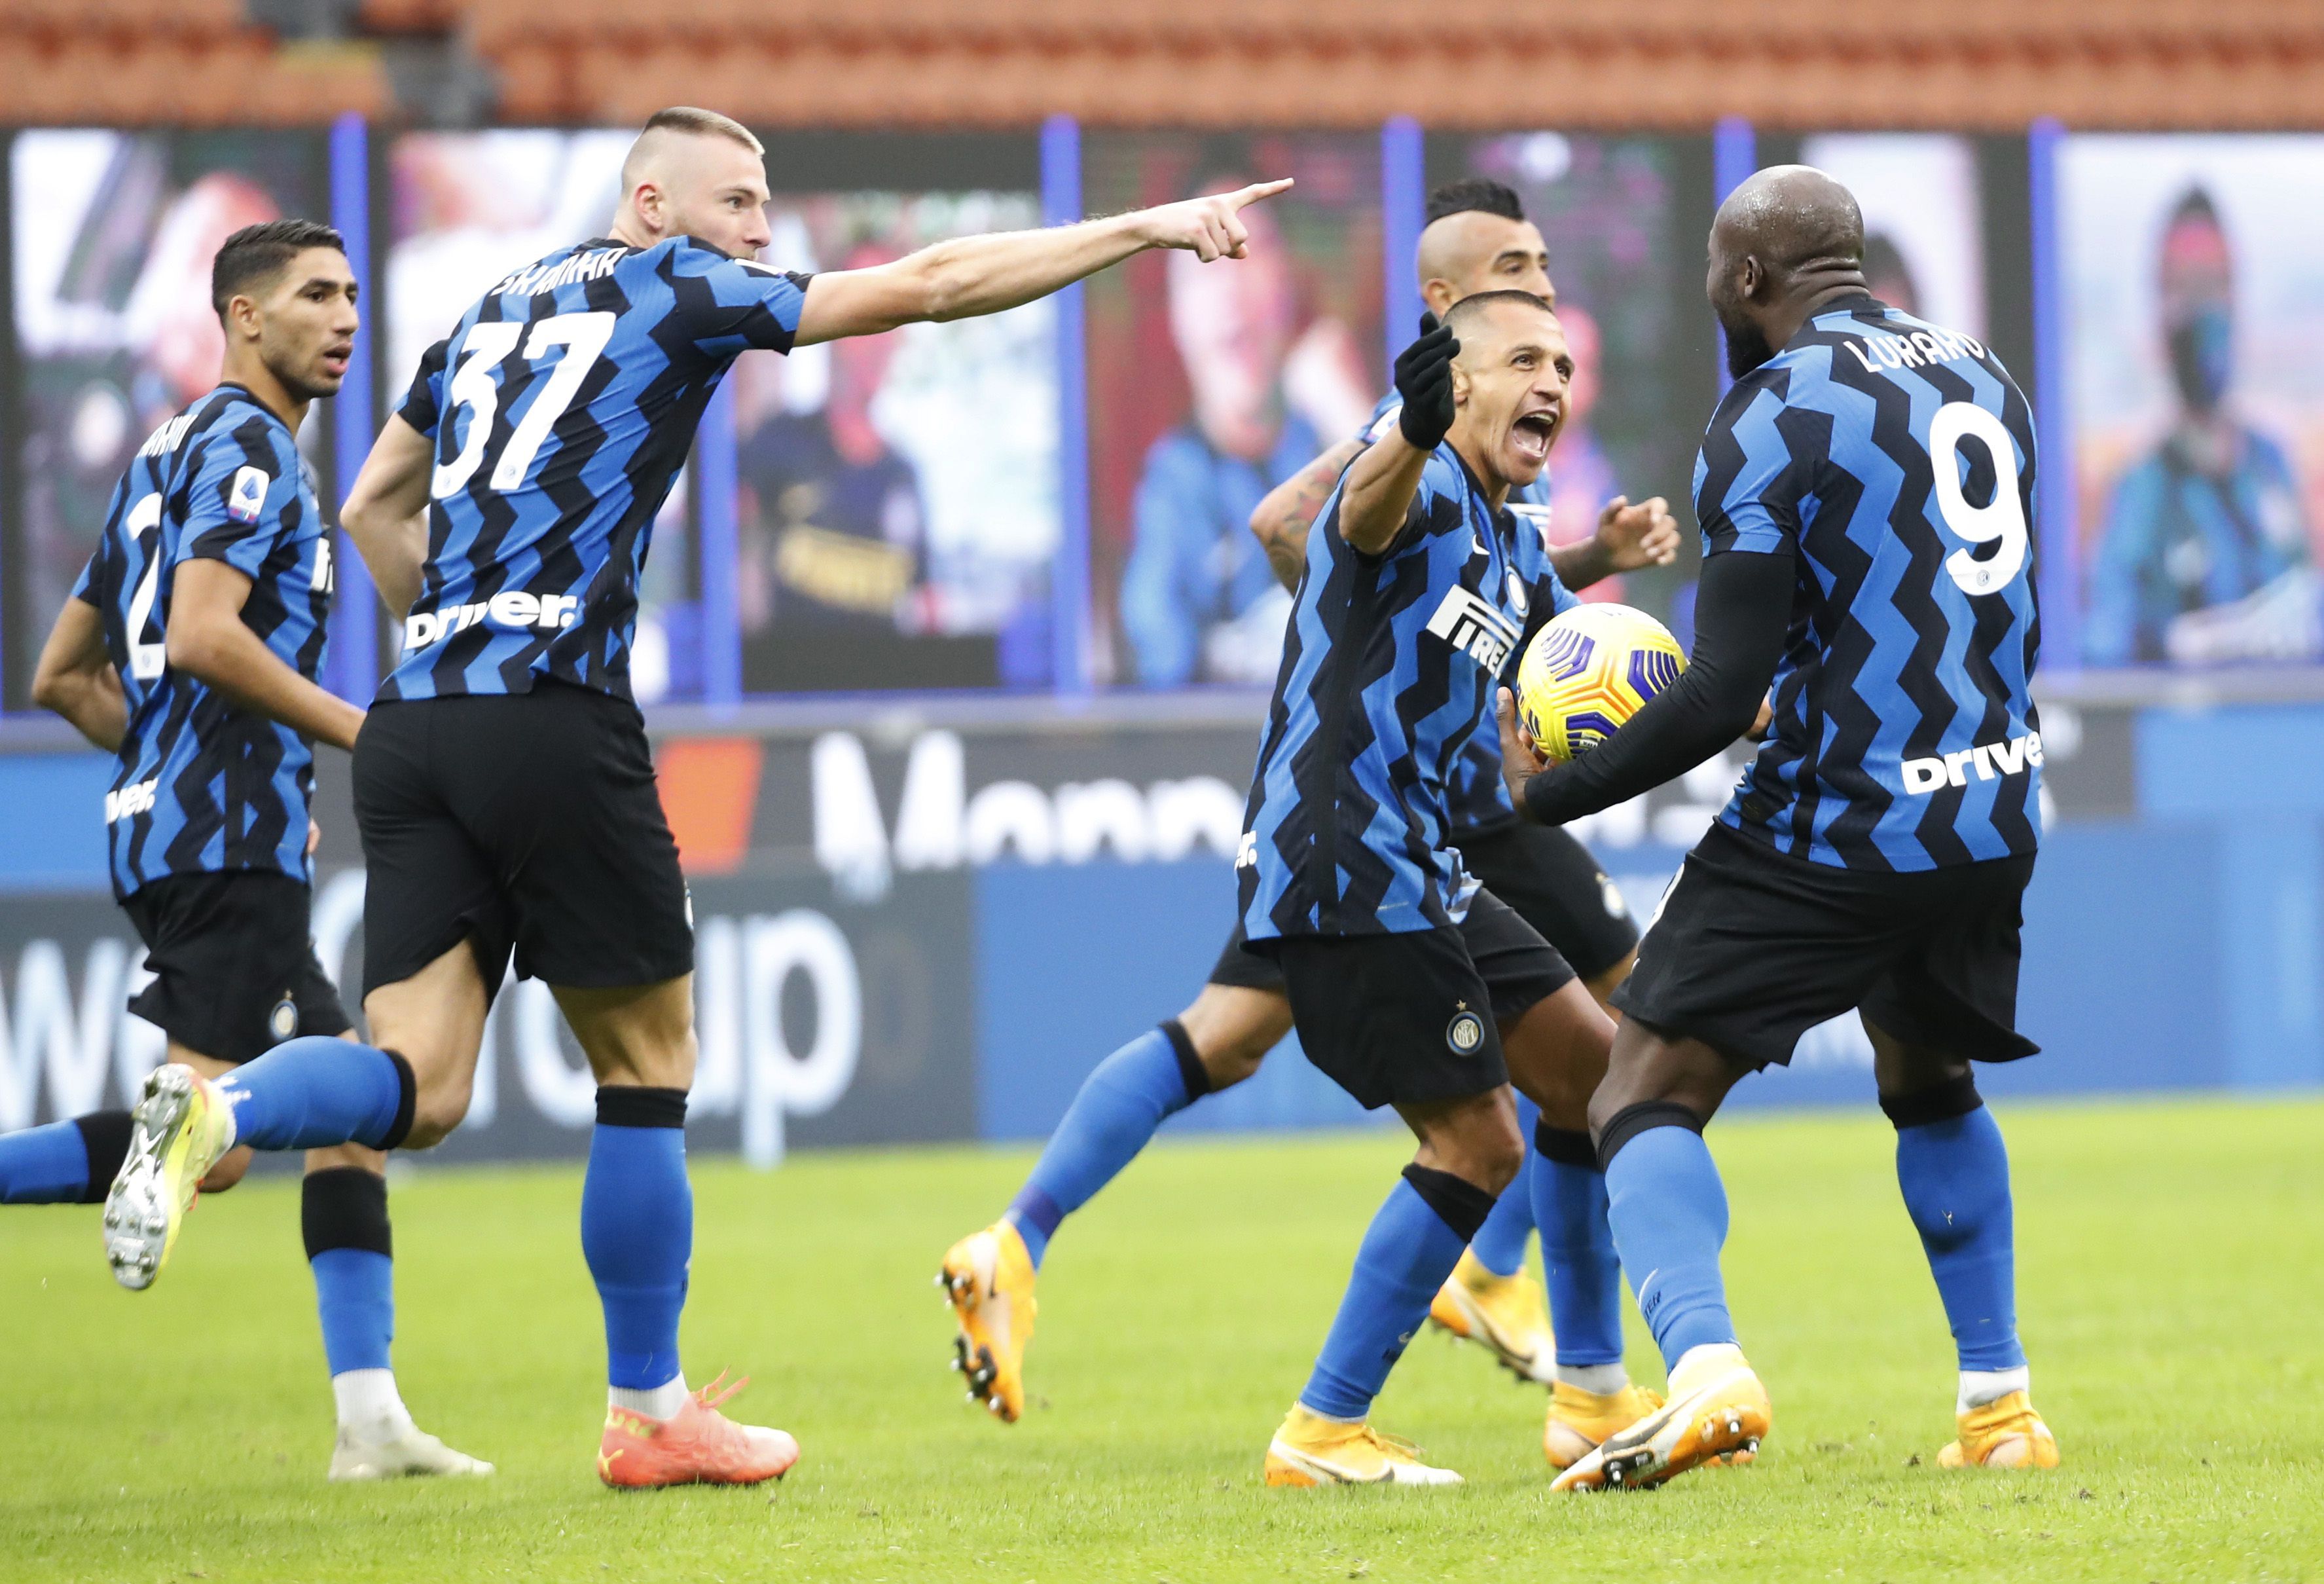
(283, 1021)
(1466, 1033)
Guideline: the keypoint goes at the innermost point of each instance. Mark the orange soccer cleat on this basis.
(696, 1446)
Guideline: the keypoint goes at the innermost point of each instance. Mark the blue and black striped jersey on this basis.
(561, 408)
(1475, 794)
(1389, 672)
(1896, 460)
(200, 785)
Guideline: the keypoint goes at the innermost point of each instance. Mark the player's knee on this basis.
(437, 1108)
(228, 1171)
(1230, 1029)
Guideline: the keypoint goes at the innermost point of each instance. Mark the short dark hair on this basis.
(260, 252)
(1478, 303)
(1474, 195)
(2195, 204)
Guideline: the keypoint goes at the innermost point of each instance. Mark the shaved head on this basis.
(665, 134)
(1793, 217)
(1785, 240)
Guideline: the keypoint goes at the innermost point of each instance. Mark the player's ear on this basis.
(1437, 295)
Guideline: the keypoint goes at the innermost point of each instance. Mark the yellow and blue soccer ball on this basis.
(1588, 671)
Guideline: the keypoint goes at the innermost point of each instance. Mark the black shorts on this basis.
(1413, 1018)
(1555, 885)
(524, 823)
(234, 964)
(1752, 948)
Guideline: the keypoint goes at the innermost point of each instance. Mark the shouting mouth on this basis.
(1532, 433)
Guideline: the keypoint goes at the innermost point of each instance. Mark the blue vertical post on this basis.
(1069, 574)
(1404, 200)
(715, 485)
(2057, 544)
(1734, 155)
(351, 664)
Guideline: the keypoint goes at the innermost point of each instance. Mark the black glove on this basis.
(1423, 378)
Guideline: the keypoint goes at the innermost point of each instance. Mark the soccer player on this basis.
(1865, 491)
(1476, 239)
(503, 787)
(189, 649)
(1410, 985)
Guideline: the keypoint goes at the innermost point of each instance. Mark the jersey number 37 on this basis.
(2000, 522)
(475, 385)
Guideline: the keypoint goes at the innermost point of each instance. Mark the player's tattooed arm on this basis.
(1281, 521)
(1629, 537)
(208, 640)
(966, 276)
(386, 512)
(75, 676)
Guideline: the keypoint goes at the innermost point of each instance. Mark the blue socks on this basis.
(1118, 1107)
(342, 1218)
(63, 1162)
(1668, 1211)
(637, 1230)
(1412, 1245)
(1499, 1244)
(315, 1091)
(1955, 1176)
(1577, 1247)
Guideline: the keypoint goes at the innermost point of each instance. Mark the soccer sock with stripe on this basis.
(64, 1163)
(317, 1091)
(1954, 1170)
(1499, 1244)
(1120, 1105)
(1577, 1256)
(637, 1234)
(1668, 1212)
(342, 1218)
(1411, 1247)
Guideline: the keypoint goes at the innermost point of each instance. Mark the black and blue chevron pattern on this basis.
(1896, 460)
(1389, 665)
(561, 408)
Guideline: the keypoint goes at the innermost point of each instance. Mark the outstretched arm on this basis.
(386, 512)
(973, 275)
(75, 676)
(208, 640)
(1742, 611)
(1280, 521)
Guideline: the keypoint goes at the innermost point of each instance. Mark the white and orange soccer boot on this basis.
(1579, 1421)
(1717, 1409)
(1311, 1449)
(179, 1128)
(988, 1279)
(1508, 1316)
(2005, 1433)
(697, 1445)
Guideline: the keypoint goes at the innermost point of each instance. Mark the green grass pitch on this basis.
(2172, 1266)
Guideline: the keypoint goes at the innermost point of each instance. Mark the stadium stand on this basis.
(1991, 64)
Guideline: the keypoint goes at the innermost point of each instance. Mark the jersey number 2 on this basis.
(144, 525)
(2000, 522)
(582, 335)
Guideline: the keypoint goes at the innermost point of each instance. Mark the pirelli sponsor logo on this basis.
(1476, 628)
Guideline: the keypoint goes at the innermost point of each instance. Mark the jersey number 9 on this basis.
(2000, 522)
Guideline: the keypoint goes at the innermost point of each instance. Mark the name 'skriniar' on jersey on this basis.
(561, 408)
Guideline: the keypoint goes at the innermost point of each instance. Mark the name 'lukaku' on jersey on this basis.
(1896, 459)
(561, 408)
